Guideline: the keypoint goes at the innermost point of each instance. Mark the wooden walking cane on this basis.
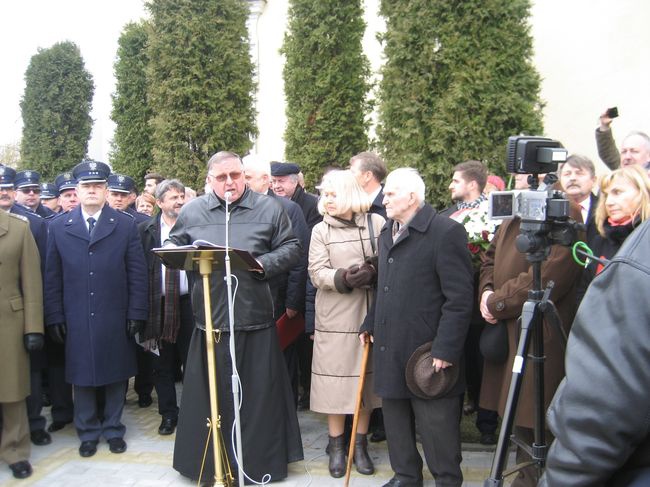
(357, 408)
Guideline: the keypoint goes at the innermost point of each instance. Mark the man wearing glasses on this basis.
(270, 431)
(28, 193)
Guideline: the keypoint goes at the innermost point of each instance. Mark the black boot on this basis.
(337, 464)
(361, 458)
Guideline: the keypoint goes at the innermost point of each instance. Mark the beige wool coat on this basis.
(21, 304)
(337, 352)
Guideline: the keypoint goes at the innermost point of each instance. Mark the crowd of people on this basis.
(86, 305)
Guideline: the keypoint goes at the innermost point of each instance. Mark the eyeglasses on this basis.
(30, 190)
(222, 178)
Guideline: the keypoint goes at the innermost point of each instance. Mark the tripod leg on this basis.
(528, 318)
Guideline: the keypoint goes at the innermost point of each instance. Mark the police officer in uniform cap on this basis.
(99, 307)
(66, 184)
(50, 196)
(27, 184)
(119, 190)
(120, 187)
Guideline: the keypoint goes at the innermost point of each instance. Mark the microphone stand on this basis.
(231, 323)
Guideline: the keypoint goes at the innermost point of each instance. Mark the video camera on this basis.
(544, 212)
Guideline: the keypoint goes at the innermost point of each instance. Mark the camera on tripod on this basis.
(544, 212)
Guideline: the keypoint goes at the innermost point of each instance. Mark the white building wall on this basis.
(591, 54)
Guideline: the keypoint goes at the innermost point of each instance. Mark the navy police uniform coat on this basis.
(95, 285)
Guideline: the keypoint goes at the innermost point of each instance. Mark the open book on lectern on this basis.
(186, 256)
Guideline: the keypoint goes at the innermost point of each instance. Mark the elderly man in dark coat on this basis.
(424, 289)
(21, 308)
(269, 425)
(96, 301)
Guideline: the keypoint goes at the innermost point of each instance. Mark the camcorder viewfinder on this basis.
(544, 213)
(533, 155)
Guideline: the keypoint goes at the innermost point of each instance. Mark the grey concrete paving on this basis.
(147, 462)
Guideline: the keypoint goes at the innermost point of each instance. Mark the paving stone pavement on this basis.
(148, 459)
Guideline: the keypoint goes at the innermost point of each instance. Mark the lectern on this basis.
(206, 258)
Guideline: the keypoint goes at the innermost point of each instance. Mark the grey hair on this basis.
(221, 156)
(643, 135)
(167, 185)
(256, 163)
(409, 179)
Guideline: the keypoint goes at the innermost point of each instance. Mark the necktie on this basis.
(91, 224)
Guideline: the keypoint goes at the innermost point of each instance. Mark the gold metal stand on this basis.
(222, 473)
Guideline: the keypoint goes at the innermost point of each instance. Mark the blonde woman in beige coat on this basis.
(339, 247)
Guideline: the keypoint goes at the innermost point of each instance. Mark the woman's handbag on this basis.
(494, 342)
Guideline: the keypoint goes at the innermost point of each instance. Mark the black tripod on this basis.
(537, 308)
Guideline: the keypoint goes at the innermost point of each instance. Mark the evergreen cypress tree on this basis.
(457, 82)
(55, 109)
(200, 84)
(326, 83)
(132, 147)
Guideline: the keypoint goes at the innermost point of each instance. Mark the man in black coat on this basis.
(170, 323)
(287, 289)
(599, 412)
(424, 291)
(370, 170)
(578, 178)
(284, 183)
(269, 424)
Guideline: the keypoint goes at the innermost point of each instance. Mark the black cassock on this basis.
(269, 424)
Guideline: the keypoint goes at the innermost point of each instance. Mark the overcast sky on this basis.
(93, 25)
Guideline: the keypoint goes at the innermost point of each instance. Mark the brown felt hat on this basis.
(422, 380)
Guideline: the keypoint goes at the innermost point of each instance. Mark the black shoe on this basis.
(21, 470)
(488, 439)
(167, 426)
(378, 435)
(117, 445)
(303, 403)
(45, 398)
(40, 437)
(57, 425)
(88, 448)
(469, 408)
(144, 400)
(395, 482)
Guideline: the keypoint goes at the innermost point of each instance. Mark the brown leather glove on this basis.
(360, 276)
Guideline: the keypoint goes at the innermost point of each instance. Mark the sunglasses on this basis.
(222, 178)
(30, 190)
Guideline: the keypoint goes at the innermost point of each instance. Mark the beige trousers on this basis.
(14, 436)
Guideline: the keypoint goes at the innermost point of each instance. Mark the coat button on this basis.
(390, 260)
(382, 349)
(500, 306)
(92, 314)
(385, 289)
(92, 294)
(90, 253)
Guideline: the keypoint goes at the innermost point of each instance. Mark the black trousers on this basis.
(164, 365)
(437, 421)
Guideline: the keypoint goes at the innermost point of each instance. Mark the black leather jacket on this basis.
(259, 225)
(600, 414)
